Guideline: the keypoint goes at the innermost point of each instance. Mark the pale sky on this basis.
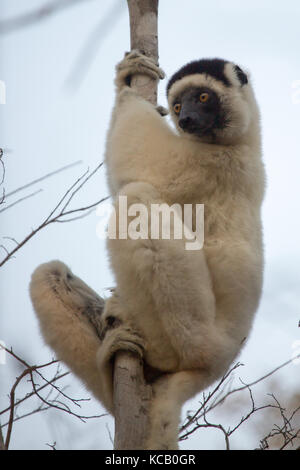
(48, 122)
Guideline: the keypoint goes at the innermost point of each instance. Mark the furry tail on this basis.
(69, 314)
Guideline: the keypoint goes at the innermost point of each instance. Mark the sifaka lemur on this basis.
(186, 312)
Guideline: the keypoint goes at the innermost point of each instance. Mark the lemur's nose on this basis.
(187, 122)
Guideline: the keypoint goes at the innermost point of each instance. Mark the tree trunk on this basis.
(131, 394)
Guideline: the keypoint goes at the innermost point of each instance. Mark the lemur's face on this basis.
(211, 100)
(199, 111)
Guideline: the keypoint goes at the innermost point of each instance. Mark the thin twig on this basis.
(12, 407)
(92, 45)
(20, 200)
(42, 178)
(207, 399)
(35, 16)
(29, 395)
(64, 406)
(255, 382)
(51, 218)
(3, 166)
(42, 366)
(46, 402)
(2, 445)
(208, 405)
(286, 431)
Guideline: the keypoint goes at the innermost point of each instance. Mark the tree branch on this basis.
(42, 178)
(46, 402)
(131, 394)
(60, 211)
(35, 16)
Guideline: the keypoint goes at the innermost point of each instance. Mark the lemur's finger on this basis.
(138, 62)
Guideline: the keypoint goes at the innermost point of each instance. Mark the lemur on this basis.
(186, 312)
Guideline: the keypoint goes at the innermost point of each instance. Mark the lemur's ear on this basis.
(241, 75)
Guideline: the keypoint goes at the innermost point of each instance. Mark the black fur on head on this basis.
(212, 67)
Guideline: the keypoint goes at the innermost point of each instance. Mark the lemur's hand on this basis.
(133, 63)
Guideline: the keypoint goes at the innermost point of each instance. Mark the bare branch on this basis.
(64, 406)
(92, 45)
(207, 399)
(62, 212)
(3, 166)
(29, 395)
(12, 407)
(220, 427)
(35, 16)
(46, 402)
(286, 431)
(52, 446)
(2, 445)
(42, 178)
(255, 382)
(20, 200)
(199, 419)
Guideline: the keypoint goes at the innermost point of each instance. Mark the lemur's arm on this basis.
(133, 124)
(134, 63)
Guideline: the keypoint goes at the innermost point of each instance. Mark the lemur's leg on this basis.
(177, 279)
(170, 392)
(69, 314)
(79, 328)
(118, 335)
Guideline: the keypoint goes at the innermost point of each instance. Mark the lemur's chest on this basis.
(192, 181)
(193, 177)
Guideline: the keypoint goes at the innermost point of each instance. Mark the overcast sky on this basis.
(57, 112)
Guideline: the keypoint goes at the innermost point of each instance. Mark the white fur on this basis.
(193, 309)
(64, 304)
(187, 312)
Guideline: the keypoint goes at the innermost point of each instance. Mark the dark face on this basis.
(199, 111)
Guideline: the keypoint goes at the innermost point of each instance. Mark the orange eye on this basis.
(177, 108)
(203, 97)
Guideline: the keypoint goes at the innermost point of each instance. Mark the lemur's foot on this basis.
(55, 279)
(122, 338)
(112, 313)
(133, 63)
(117, 334)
